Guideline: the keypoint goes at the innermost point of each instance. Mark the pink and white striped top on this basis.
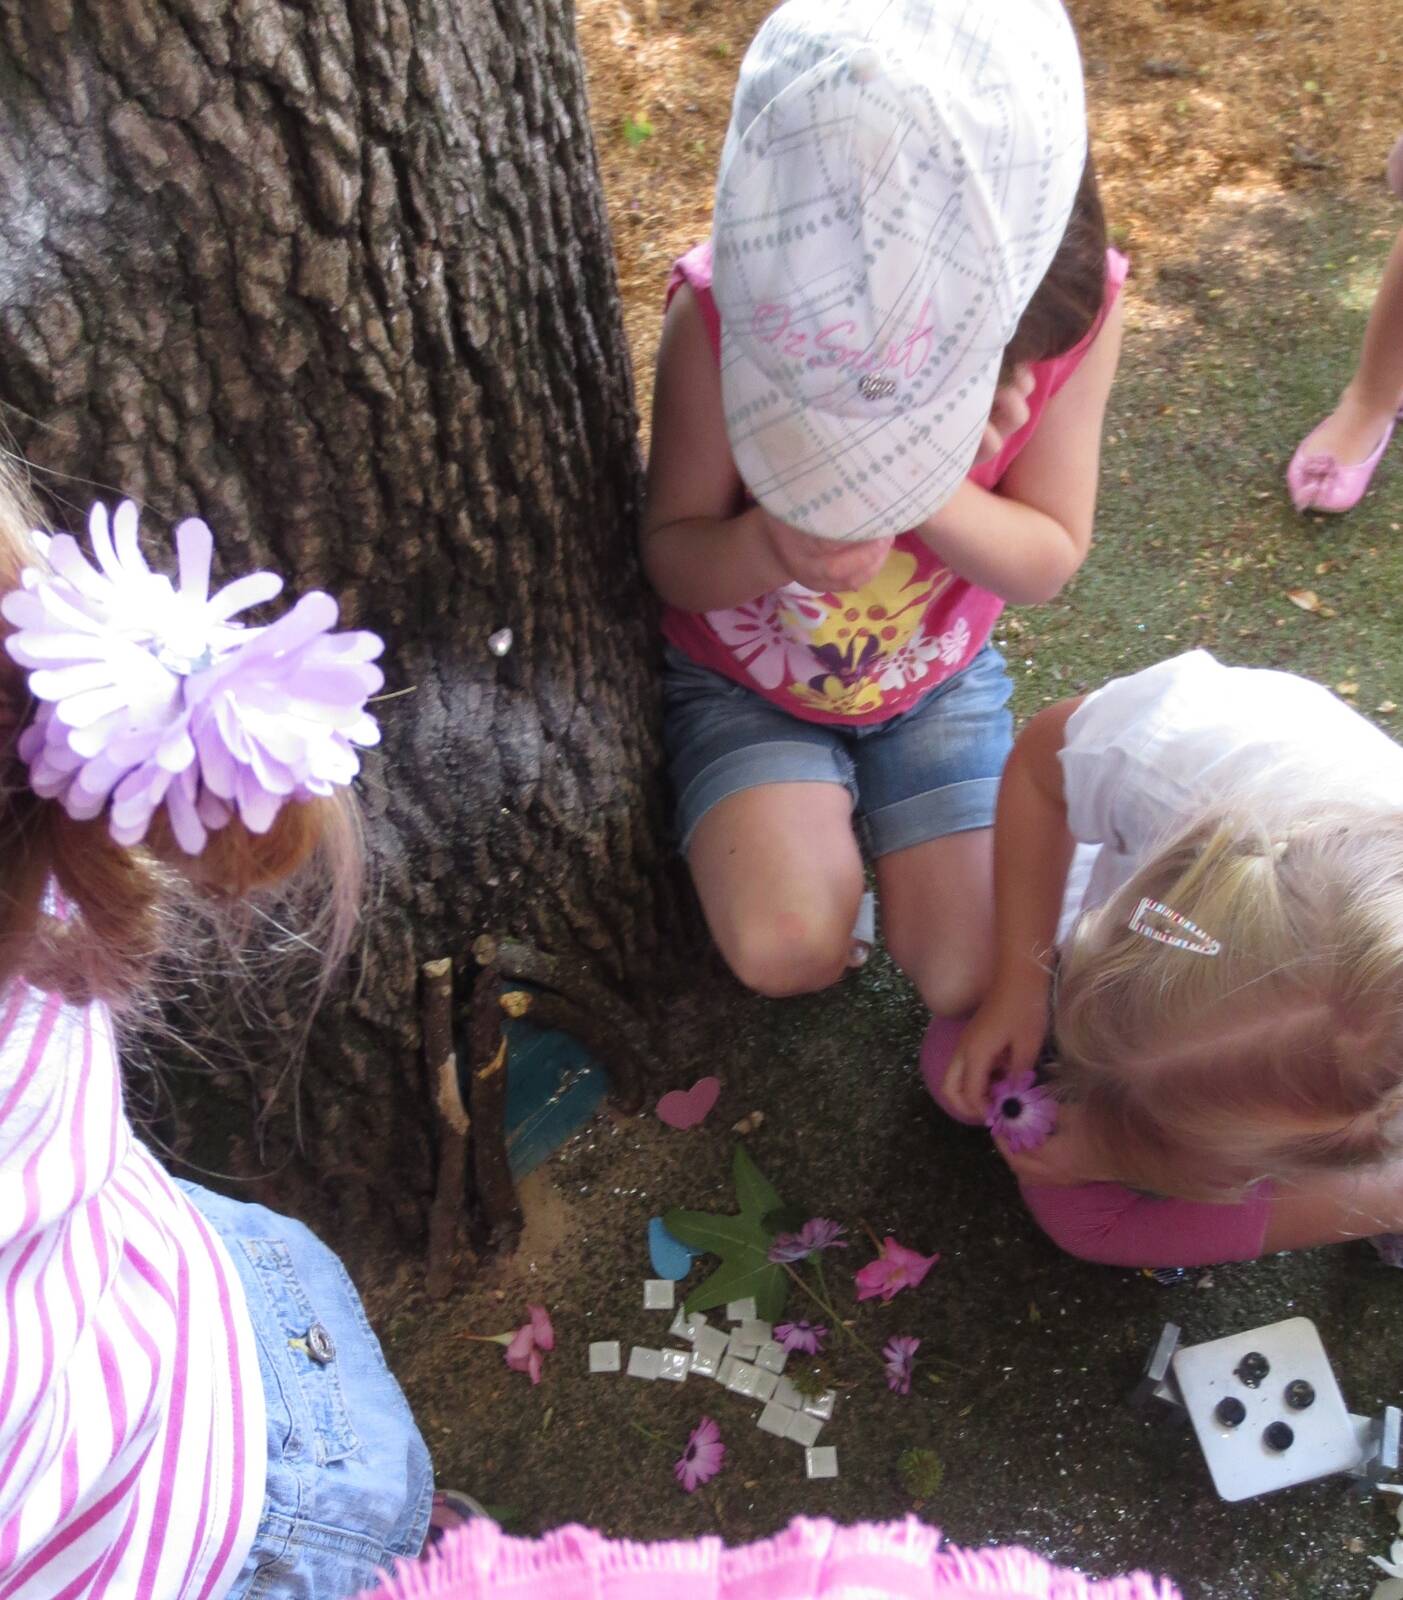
(132, 1425)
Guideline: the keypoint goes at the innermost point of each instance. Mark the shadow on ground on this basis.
(1230, 358)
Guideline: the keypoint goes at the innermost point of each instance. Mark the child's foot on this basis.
(1389, 1247)
(451, 1509)
(1332, 466)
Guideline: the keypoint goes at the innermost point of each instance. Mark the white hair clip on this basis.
(1190, 937)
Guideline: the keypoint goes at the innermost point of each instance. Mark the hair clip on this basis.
(871, 387)
(1197, 941)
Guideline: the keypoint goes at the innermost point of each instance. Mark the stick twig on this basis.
(451, 1121)
(492, 1176)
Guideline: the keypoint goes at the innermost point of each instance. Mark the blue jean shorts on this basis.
(928, 771)
(349, 1478)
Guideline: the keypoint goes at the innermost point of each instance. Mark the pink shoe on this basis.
(1320, 483)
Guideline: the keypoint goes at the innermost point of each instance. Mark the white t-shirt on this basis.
(1145, 753)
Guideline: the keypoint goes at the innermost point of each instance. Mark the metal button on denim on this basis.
(319, 1345)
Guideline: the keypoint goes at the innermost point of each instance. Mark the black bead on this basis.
(1299, 1394)
(1253, 1367)
(1278, 1436)
(1230, 1411)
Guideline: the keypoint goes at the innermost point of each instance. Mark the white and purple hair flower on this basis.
(150, 693)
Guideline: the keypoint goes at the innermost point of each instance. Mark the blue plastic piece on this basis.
(554, 1086)
(670, 1257)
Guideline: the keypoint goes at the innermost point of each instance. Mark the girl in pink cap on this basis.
(877, 421)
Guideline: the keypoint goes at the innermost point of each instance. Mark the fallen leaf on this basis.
(749, 1123)
(1385, 708)
(1346, 688)
(1306, 599)
(1322, 567)
(743, 1243)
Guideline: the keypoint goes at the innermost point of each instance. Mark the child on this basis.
(1333, 464)
(1227, 1002)
(192, 1403)
(877, 419)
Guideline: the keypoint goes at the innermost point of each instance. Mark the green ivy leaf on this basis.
(743, 1243)
(636, 130)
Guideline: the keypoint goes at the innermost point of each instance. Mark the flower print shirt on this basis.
(863, 655)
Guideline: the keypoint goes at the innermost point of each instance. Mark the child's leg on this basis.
(928, 782)
(937, 904)
(764, 817)
(1373, 395)
(779, 875)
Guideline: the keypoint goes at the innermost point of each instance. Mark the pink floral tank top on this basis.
(867, 654)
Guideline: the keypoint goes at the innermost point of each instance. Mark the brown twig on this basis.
(452, 1124)
(492, 1177)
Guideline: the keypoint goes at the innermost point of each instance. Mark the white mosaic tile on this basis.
(821, 1461)
(604, 1356)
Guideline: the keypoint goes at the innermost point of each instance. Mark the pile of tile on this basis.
(747, 1361)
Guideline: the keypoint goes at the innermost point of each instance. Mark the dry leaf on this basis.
(749, 1123)
(1306, 599)
(1385, 708)
(1346, 688)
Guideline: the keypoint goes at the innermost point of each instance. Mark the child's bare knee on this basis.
(789, 955)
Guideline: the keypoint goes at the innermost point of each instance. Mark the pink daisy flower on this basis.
(818, 1233)
(1022, 1112)
(900, 1357)
(897, 1268)
(523, 1353)
(806, 1336)
(702, 1459)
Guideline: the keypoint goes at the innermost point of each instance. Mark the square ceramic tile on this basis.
(739, 1310)
(821, 1461)
(822, 1408)
(771, 1356)
(645, 1363)
(674, 1365)
(765, 1383)
(659, 1294)
(804, 1429)
(775, 1419)
(687, 1327)
(711, 1343)
(604, 1356)
(704, 1366)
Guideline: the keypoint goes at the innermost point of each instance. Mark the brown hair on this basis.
(1066, 304)
(123, 906)
(1278, 1056)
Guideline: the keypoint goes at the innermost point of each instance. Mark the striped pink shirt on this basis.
(132, 1426)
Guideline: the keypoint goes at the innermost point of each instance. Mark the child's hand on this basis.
(1008, 413)
(824, 564)
(1002, 1039)
(1069, 1156)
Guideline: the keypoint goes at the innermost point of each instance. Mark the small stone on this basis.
(804, 1429)
(604, 1356)
(659, 1294)
(500, 642)
(645, 1363)
(821, 1461)
(739, 1310)
(674, 1365)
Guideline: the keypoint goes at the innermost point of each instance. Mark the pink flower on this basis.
(702, 1459)
(895, 1269)
(524, 1351)
(900, 1357)
(818, 1233)
(1022, 1112)
(806, 1336)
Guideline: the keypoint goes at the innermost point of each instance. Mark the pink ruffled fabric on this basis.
(811, 1560)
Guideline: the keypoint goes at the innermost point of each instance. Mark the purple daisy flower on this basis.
(702, 1459)
(900, 1357)
(818, 1233)
(809, 1337)
(1022, 1112)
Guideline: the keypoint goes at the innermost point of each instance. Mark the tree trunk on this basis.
(336, 275)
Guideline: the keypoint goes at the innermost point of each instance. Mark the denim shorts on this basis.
(349, 1477)
(924, 773)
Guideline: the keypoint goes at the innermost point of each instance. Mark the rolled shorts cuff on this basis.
(776, 761)
(955, 808)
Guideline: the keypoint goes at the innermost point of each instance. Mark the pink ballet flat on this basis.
(1320, 483)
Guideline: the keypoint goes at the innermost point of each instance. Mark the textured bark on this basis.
(336, 275)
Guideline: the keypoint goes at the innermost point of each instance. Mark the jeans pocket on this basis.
(303, 1353)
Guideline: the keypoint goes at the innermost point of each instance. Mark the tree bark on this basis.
(336, 275)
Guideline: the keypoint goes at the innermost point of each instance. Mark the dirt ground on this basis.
(1241, 149)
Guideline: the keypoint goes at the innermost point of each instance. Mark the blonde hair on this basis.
(1278, 1056)
(127, 908)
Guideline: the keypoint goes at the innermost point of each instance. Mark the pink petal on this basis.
(541, 1327)
(518, 1352)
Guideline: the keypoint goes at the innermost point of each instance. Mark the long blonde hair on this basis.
(1280, 1055)
(126, 908)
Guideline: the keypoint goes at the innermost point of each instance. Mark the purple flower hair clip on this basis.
(1022, 1112)
(150, 694)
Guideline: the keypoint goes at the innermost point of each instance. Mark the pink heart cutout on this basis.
(685, 1108)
